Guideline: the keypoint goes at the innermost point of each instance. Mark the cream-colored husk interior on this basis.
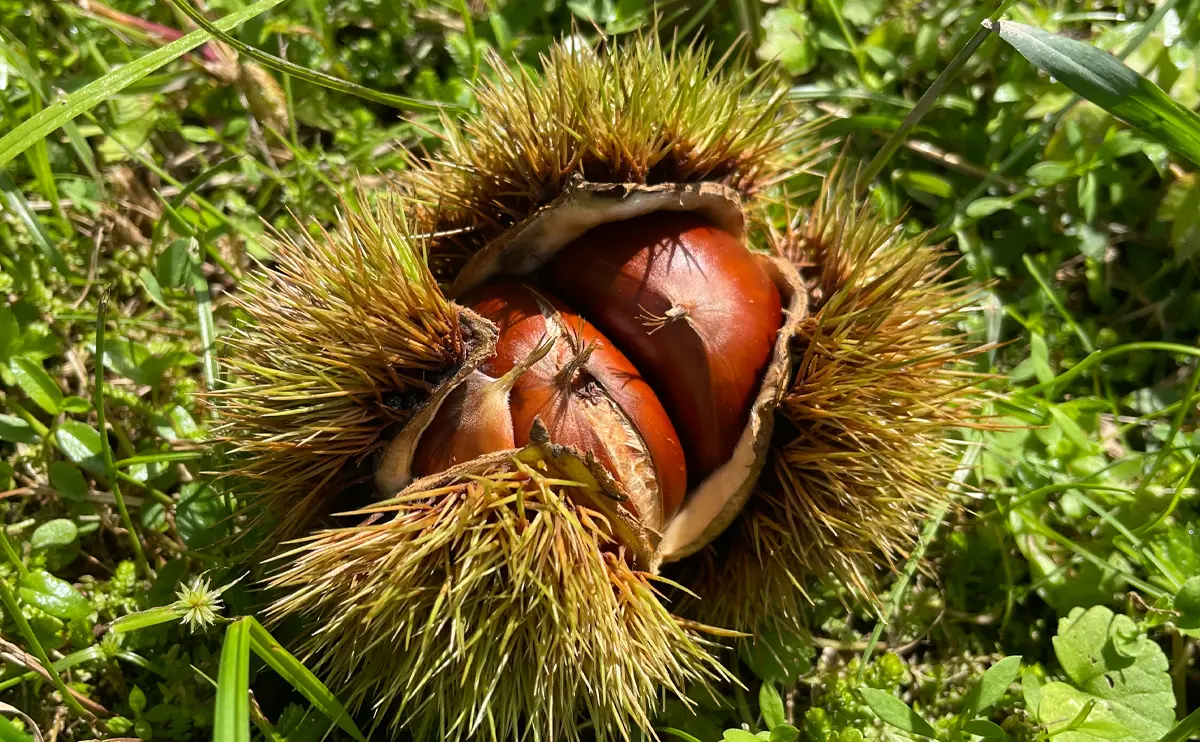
(711, 506)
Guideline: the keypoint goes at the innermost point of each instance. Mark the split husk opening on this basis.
(711, 505)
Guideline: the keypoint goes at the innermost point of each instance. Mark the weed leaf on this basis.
(896, 712)
(231, 719)
(37, 384)
(1127, 686)
(52, 595)
(300, 677)
(33, 129)
(1104, 80)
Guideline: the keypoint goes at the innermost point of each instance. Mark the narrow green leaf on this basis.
(54, 596)
(300, 677)
(1104, 80)
(20, 206)
(770, 705)
(984, 728)
(1031, 691)
(308, 75)
(75, 405)
(1186, 729)
(143, 619)
(9, 733)
(231, 718)
(58, 113)
(987, 206)
(17, 55)
(896, 712)
(37, 384)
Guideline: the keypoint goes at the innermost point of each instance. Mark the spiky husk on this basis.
(339, 331)
(880, 387)
(491, 606)
(633, 114)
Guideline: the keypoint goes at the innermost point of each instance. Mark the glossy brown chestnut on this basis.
(578, 385)
(472, 421)
(694, 310)
(551, 365)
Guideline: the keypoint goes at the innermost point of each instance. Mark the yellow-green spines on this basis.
(634, 114)
(881, 386)
(488, 604)
(493, 604)
(342, 326)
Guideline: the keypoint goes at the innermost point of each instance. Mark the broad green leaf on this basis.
(201, 515)
(15, 430)
(57, 532)
(770, 705)
(80, 443)
(65, 478)
(36, 383)
(992, 686)
(984, 728)
(35, 128)
(738, 735)
(1132, 691)
(137, 700)
(896, 712)
(1104, 80)
(231, 718)
(143, 619)
(1187, 602)
(1103, 729)
(784, 733)
(54, 596)
(787, 39)
(300, 678)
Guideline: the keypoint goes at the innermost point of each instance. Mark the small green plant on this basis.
(970, 720)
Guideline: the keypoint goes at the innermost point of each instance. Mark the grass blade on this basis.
(925, 103)
(143, 619)
(1184, 730)
(231, 719)
(312, 76)
(110, 468)
(300, 677)
(20, 206)
(32, 130)
(18, 617)
(1104, 80)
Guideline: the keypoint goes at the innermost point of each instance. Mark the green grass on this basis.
(152, 184)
